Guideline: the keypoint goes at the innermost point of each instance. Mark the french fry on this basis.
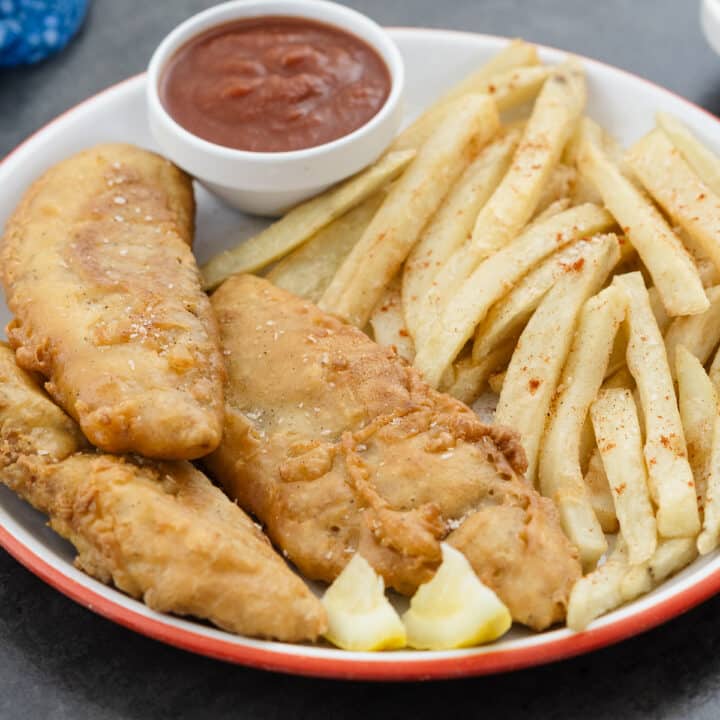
(496, 75)
(583, 189)
(671, 481)
(702, 160)
(698, 405)
(513, 203)
(376, 258)
(453, 222)
(678, 190)
(700, 334)
(617, 359)
(619, 440)
(534, 370)
(601, 497)
(307, 270)
(388, 323)
(441, 339)
(559, 186)
(710, 536)
(303, 221)
(513, 88)
(600, 591)
(670, 557)
(669, 263)
(509, 315)
(696, 250)
(466, 379)
(554, 208)
(588, 128)
(559, 471)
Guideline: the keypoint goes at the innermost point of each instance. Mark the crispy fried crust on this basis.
(337, 445)
(159, 531)
(98, 270)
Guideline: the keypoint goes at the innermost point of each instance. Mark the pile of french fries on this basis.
(506, 242)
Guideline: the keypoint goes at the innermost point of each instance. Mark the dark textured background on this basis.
(58, 660)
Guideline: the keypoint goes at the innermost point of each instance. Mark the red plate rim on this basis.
(385, 667)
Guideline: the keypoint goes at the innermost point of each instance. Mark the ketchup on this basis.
(274, 84)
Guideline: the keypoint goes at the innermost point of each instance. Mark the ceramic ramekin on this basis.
(269, 183)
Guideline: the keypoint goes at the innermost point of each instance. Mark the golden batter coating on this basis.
(159, 531)
(98, 270)
(338, 446)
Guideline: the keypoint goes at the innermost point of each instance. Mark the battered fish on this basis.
(98, 270)
(338, 446)
(159, 531)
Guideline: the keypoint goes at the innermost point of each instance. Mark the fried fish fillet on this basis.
(338, 446)
(98, 270)
(159, 531)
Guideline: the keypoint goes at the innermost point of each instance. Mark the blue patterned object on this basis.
(30, 30)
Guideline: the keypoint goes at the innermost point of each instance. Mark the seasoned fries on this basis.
(534, 370)
(680, 192)
(492, 280)
(308, 270)
(513, 203)
(376, 258)
(671, 481)
(453, 222)
(619, 441)
(665, 257)
(702, 160)
(303, 221)
(559, 470)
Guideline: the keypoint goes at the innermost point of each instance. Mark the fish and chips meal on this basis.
(482, 373)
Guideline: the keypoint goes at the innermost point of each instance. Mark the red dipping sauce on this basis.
(274, 84)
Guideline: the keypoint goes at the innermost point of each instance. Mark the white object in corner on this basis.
(710, 20)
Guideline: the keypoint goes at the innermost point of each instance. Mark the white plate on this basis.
(621, 102)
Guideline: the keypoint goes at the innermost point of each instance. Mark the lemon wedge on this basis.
(360, 617)
(454, 609)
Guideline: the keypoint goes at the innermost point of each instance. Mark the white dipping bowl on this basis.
(267, 183)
